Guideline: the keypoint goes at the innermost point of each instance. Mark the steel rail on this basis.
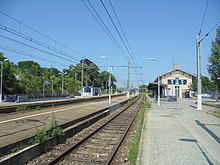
(62, 156)
(111, 158)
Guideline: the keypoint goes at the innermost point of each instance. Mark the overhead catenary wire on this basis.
(22, 43)
(23, 36)
(132, 53)
(46, 36)
(118, 33)
(104, 27)
(210, 31)
(42, 34)
(30, 55)
(204, 16)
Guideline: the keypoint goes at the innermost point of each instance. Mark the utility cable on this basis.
(41, 33)
(103, 26)
(210, 31)
(122, 31)
(117, 31)
(109, 32)
(14, 32)
(30, 55)
(204, 16)
(8, 38)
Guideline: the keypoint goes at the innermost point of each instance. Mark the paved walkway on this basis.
(180, 137)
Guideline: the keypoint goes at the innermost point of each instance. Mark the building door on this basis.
(177, 91)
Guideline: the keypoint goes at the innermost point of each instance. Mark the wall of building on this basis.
(184, 79)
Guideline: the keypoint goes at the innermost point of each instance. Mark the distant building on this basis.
(176, 82)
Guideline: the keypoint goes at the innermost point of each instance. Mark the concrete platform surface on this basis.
(182, 136)
(17, 126)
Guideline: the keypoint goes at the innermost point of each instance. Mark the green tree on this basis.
(207, 85)
(30, 76)
(143, 88)
(10, 82)
(214, 60)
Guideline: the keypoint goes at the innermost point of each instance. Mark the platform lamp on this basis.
(158, 82)
(109, 79)
(62, 74)
(1, 62)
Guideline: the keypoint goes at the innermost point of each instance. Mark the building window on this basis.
(169, 82)
(184, 82)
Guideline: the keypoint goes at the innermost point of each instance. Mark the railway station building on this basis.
(174, 83)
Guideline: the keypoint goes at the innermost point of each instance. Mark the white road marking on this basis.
(6, 121)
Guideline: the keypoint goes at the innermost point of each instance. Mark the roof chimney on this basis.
(176, 66)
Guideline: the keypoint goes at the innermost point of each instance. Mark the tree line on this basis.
(28, 77)
(213, 67)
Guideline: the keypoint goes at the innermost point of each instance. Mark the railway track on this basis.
(101, 145)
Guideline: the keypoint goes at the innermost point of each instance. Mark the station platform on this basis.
(17, 126)
(180, 135)
(8, 107)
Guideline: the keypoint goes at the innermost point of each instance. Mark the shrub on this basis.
(38, 108)
(22, 108)
(41, 136)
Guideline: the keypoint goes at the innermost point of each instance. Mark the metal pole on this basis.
(2, 77)
(199, 95)
(1, 80)
(43, 90)
(52, 87)
(158, 92)
(128, 83)
(109, 86)
(75, 84)
(82, 78)
(62, 83)
(177, 93)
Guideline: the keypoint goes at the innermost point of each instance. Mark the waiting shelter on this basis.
(91, 91)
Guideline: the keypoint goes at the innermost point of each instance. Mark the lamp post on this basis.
(82, 77)
(199, 83)
(1, 62)
(62, 80)
(158, 83)
(177, 92)
(109, 80)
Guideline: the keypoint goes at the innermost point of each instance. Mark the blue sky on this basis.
(165, 30)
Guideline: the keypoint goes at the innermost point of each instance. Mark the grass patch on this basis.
(25, 108)
(54, 130)
(215, 113)
(22, 108)
(38, 108)
(41, 136)
(133, 151)
(14, 150)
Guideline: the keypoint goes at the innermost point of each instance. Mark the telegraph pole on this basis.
(199, 84)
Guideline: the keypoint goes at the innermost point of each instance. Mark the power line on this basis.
(105, 28)
(41, 33)
(204, 16)
(117, 31)
(30, 55)
(8, 38)
(210, 31)
(44, 35)
(14, 32)
(122, 30)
